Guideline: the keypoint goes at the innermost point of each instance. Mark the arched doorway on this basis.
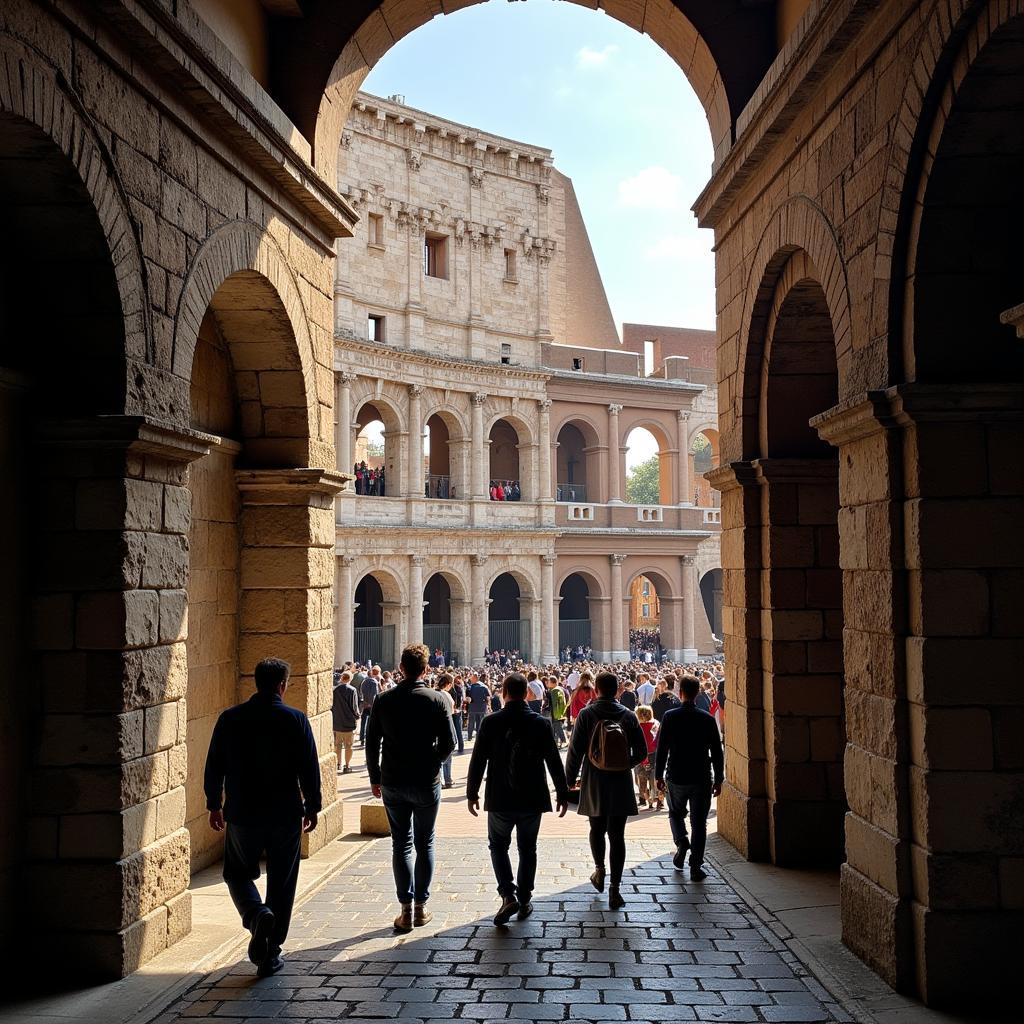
(711, 595)
(645, 641)
(445, 450)
(506, 481)
(376, 620)
(509, 629)
(377, 456)
(648, 467)
(578, 461)
(703, 459)
(437, 617)
(574, 624)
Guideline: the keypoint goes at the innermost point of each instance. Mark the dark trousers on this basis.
(499, 839)
(412, 815)
(698, 797)
(244, 845)
(475, 721)
(614, 827)
(363, 719)
(457, 720)
(557, 727)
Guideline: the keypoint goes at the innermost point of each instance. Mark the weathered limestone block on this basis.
(328, 827)
(154, 675)
(161, 726)
(155, 874)
(876, 926)
(143, 778)
(373, 820)
(273, 568)
(90, 739)
(113, 620)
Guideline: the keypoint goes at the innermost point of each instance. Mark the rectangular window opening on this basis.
(435, 255)
(510, 265)
(375, 228)
(577, 362)
(506, 353)
(375, 327)
(648, 358)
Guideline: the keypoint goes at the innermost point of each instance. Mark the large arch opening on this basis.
(445, 450)
(437, 617)
(377, 466)
(575, 629)
(509, 618)
(58, 360)
(507, 481)
(711, 595)
(648, 464)
(703, 459)
(377, 620)
(644, 620)
(578, 462)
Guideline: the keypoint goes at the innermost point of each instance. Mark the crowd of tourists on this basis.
(506, 490)
(369, 479)
(633, 737)
(645, 645)
(581, 652)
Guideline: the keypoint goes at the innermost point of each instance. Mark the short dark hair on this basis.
(446, 680)
(271, 673)
(414, 661)
(669, 681)
(607, 684)
(690, 686)
(515, 686)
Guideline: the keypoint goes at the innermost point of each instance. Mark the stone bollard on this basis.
(373, 820)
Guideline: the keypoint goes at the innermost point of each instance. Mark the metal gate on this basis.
(573, 633)
(510, 635)
(439, 635)
(375, 645)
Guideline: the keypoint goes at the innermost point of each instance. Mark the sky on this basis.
(618, 114)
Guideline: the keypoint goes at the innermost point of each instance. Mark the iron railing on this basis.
(510, 635)
(571, 492)
(375, 645)
(439, 487)
(573, 633)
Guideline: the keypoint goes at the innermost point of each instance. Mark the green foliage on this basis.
(642, 483)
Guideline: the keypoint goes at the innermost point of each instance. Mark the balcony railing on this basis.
(438, 486)
(571, 492)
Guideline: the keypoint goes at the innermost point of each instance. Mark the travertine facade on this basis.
(475, 355)
(159, 169)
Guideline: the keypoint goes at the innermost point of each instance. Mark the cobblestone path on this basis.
(678, 951)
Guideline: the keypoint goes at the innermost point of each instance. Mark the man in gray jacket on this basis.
(345, 712)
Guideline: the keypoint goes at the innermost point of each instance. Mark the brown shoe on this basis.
(403, 923)
(421, 915)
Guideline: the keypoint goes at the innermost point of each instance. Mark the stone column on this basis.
(478, 631)
(614, 454)
(414, 629)
(548, 634)
(618, 642)
(689, 592)
(287, 571)
(545, 491)
(415, 483)
(478, 460)
(684, 489)
(344, 611)
(343, 424)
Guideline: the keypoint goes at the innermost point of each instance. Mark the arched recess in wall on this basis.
(378, 448)
(71, 317)
(578, 459)
(510, 460)
(445, 616)
(378, 621)
(510, 613)
(652, 479)
(704, 457)
(446, 448)
(394, 19)
(664, 618)
(580, 619)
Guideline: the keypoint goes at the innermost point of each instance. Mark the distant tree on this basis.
(643, 483)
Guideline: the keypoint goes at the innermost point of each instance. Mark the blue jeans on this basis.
(412, 814)
(446, 770)
(243, 847)
(698, 796)
(457, 721)
(499, 839)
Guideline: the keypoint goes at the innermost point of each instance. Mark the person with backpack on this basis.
(554, 709)
(607, 744)
(513, 748)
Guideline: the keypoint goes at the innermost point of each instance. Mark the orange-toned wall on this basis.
(242, 27)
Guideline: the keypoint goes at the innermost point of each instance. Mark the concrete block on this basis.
(373, 820)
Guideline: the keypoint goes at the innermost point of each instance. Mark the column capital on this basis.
(415, 390)
(687, 561)
(347, 560)
(616, 559)
(548, 559)
(682, 415)
(418, 561)
(479, 397)
(614, 409)
(544, 403)
(478, 560)
(346, 377)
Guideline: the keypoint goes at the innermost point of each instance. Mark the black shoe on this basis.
(346, 770)
(597, 879)
(259, 944)
(509, 906)
(615, 900)
(270, 966)
(525, 910)
(697, 874)
(679, 860)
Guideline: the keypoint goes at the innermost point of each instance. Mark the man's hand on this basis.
(217, 821)
(309, 822)
(474, 806)
(562, 805)
(661, 785)
(375, 790)
(716, 789)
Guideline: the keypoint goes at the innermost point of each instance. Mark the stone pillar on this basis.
(287, 571)
(478, 473)
(414, 634)
(479, 631)
(684, 488)
(545, 492)
(344, 611)
(548, 632)
(689, 592)
(343, 423)
(619, 641)
(614, 456)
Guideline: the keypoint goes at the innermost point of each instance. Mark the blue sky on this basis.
(619, 115)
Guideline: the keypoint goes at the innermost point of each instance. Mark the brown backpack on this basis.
(609, 746)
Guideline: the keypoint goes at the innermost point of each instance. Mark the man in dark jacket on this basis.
(479, 694)
(262, 786)
(413, 724)
(691, 747)
(345, 713)
(665, 700)
(516, 743)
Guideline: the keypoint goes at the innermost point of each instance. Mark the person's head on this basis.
(531, 676)
(375, 671)
(414, 661)
(551, 682)
(629, 684)
(670, 682)
(586, 680)
(514, 686)
(272, 676)
(690, 687)
(346, 677)
(645, 713)
(607, 684)
(446, 682)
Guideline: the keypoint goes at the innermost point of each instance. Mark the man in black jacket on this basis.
(479, 695)
(690, 745)
(345, 714)
(513, 747)
(414, 725)
(665, 700)
(262, 785)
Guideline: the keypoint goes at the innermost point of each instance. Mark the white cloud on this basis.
(694, 247)
(589, 59)
(654, 188)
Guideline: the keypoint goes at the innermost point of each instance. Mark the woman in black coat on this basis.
(607, 798)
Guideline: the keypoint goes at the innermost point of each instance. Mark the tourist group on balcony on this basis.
(369, 480)
(506, 490)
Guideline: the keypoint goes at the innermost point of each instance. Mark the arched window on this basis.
(376, 455)
(437, 456)
(506, 483)
(648, 469)
(578, 464)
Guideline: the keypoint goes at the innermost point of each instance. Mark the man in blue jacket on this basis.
(262, 787)
(689, 744)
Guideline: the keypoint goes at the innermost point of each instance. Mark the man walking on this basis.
(262, 786)
(666, 699)
(554, 709)
(691, 747)
(367, 688)
(414, 726)
(479, 695)
(513, 748)
(345, 713)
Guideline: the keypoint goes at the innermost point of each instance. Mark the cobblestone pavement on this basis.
(678, 951)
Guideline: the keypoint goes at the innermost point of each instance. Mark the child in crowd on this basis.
(645, 771)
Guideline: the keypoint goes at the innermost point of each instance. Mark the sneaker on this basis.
(657, 805)
(270, 966)
(403, 923)
(679, 859)
(421, 915)
(509, 906)
(347, 770)
(597, 879)
(698, 874)
(259, 944)
(448, 785)
(525, 910)
(615, 900)
(641, 803)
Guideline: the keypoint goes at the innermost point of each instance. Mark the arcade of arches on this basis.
(174, 445)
